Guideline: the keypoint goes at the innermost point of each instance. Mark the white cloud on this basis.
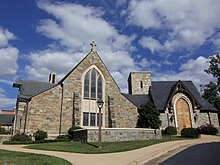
(8, 55)
(8, 61)
(45, 62)
(150, 43)
(191, 70)
(74, 27)
(5, 36)
(189, 23)
(5, 102)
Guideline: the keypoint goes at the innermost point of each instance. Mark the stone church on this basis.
(55, 107)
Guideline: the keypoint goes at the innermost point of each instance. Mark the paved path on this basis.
(205, 154)
(134, 157)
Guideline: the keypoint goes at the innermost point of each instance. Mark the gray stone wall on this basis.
(135, 80)
(129, 134)
(214, 119)
(121, 112)
(44, 112)
(20, 117)
(4, 138)
(203, 119)
(163, 118)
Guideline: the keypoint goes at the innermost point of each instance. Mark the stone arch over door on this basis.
(183, 114)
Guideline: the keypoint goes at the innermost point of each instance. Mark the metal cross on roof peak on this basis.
(93, 44)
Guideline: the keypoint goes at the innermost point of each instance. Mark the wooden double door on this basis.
(183, 114)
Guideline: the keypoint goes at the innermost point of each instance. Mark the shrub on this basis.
(207, 129)
(149, 116)
(71, 131)
(21, 137)
(170, 130)
(63, 138)
(40, 135)
(190, 132)
(3, 131)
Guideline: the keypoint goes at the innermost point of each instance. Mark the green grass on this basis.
(15, 158)
(107, 147)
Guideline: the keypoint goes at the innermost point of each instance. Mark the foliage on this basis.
(11, 157)
(21, 137)
(72, 129)
(211, 91)
(170, 130)
(40, 135)
(63, 138)
(149, 116)
(3, 131)
(207, 129)
(190, 132)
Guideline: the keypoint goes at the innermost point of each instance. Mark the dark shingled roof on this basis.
(137, 100)
(160, 91)
(30, 88)
(6, 119)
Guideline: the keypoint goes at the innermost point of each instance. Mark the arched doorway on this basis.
(183, 114)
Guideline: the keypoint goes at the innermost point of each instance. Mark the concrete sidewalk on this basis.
(134, 157)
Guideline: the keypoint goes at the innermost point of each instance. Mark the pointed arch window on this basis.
(100, 87)
(93, 85)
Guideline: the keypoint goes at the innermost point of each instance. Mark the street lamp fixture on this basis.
(100, 105)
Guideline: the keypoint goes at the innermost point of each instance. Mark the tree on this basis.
(211, 91)
(149, 116)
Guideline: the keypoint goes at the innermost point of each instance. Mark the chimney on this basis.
(52, 78)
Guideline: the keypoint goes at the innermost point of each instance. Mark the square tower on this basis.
(139, 82)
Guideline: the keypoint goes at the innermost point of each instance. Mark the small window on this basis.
(141, 84)
(85, 119)
(92, 119)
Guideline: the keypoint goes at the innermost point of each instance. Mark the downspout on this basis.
(26, 112)
(16, 116)
(61, 110)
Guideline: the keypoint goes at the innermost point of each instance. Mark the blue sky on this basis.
(171, 38)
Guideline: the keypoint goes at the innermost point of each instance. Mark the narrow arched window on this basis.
(93, 85)
(86, 85)
(100, 87)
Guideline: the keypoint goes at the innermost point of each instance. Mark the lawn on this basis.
(107, 147)
(11, 157)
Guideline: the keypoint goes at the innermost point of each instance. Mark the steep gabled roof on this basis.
(6, 119)
(30, 88)
(90, 53)
(160, 92)
(137, 100)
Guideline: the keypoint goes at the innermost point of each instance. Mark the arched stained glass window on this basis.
(93, 85)
(100, 87)
(86, 85)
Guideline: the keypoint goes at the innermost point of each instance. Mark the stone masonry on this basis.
(139, 82)
(125, 134)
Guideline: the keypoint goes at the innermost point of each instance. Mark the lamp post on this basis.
(100, 105)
